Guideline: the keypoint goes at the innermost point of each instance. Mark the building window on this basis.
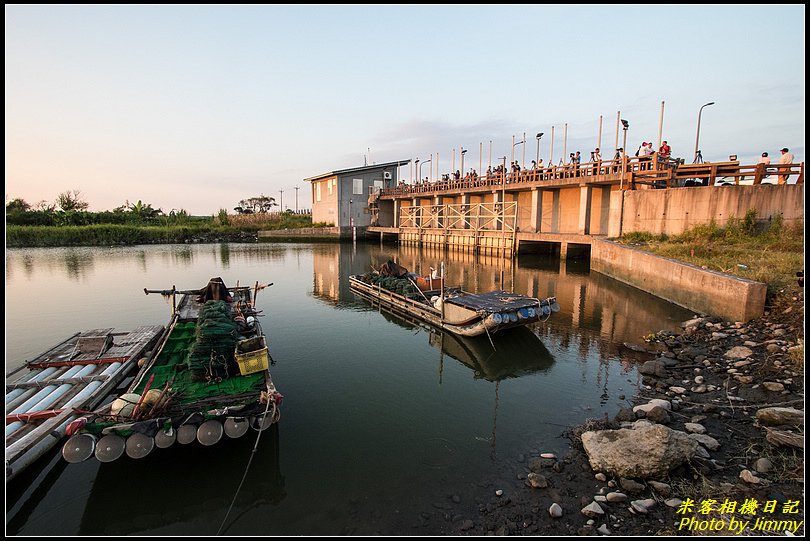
(357, 186)
(317, 191)
(330, 184)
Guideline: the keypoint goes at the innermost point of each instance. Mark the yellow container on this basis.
(251, 355)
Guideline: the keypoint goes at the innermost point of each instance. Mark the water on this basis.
(383, 421)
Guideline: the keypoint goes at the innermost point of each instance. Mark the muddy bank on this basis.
(731, 393)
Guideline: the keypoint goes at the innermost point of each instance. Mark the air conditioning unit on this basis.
(387, 175)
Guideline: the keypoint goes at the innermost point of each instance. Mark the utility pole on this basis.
(296, 199)
(281, 201)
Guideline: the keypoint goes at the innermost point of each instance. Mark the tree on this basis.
(255, 205)
(17, 205)
(71, 200)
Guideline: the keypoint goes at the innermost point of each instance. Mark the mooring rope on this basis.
(270, 399)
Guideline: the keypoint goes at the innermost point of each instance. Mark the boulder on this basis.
(644, 452)
(780, 416)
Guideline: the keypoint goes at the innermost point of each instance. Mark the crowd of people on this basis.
(573, 166)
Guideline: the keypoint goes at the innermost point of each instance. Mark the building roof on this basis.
(358, 169)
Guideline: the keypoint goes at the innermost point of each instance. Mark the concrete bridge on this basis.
(561, 209)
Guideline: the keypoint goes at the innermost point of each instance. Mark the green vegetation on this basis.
(68, 223)
(765, 251)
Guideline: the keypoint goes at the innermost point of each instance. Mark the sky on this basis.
(197, 107)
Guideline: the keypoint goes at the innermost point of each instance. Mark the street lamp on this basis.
(537, 159)
(697, 135)
(416, 166)
(420, 167)
(623, 155)
(296, 199)
(281, 201)
(463, 152)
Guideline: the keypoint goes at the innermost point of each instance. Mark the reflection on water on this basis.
(382, 417)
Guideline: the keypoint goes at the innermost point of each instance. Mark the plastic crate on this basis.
(251, 355)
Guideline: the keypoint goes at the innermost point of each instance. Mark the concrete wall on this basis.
(673, 211)
(701, 290)
(325, 209)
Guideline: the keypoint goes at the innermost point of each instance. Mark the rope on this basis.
(252, 453)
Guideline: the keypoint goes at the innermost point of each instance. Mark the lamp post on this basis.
(538, 136)
(281, 201)
(463, 152)
(416, 166)
(514, 144)
(296, 199)
(420, 166)
(697, 135)
(623, 156)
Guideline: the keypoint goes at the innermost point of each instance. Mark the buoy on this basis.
(555, 307)
(141, 362)
(210, 432)
(523, 313)
(261, 422)
(546, 310)
(532, 312)
(151, 396)
(165, 438)
(110, 447)
(235, 427)
(513, 317)
(139, 445)
(186, 434)
(79, 448)
(125, 404)
(497, 318)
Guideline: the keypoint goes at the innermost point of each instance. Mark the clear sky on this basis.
(197, 107)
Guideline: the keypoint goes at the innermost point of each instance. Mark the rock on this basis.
(467, 525)
(631, 486)
(773, 386)
(616, 497)
(658, 415)
(499, 492)
(625, 415)
(780, 416)
(662, 488)
(654, 368)
(548, 455)
(642, 452)
(666, 404)
(600, 477)
(555, 510)
(750, 478)
(599, 498)
(702, 452)
(674, 502)
(593, 510)
(699, 379)
(696, 322)
(634, 347)
(706, 441)
(740, 364)
(784, 438)
(639, 506)
(744, 379)
(535, 480)
(537, 464)
(603, 529)
(678, 390)
(738, 352)
(763, 465)
(699, 389)
(695, 428)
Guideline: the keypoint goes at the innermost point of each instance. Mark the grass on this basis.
(764, 251)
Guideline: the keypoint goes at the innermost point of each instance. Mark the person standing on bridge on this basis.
(785, 159)
(665, 151)
(764, 159)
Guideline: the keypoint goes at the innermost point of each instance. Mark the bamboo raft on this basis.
(47, 393)
(460, 312)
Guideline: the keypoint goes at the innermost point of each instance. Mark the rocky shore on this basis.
(714, 443)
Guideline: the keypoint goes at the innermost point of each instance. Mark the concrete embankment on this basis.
(309, 234)
(695, 288)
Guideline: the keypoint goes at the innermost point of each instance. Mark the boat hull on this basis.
(459, 320)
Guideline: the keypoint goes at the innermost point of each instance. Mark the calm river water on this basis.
(383, 422)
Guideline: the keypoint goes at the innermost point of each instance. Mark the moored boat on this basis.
(451, 308)
(43, 395)
(208, 377)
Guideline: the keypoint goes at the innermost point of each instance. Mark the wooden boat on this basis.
(208, 376)
(43, 395)
(452, 309)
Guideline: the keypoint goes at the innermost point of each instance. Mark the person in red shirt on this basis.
(665, 150)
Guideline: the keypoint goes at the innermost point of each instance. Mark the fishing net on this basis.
(401, 286)
(211, 356)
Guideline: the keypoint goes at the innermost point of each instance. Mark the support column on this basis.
(585, 196)
(563, 251)
(397, 210)
(536, 210)
(465, 201)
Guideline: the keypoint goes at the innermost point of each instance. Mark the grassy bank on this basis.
(765, 252)
(204, 229)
